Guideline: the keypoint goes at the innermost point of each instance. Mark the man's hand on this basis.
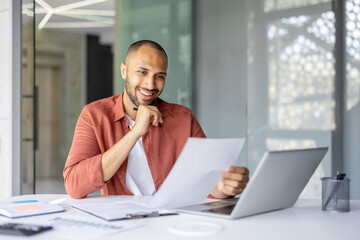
(233, 183)
(145, 116)
(116, 155)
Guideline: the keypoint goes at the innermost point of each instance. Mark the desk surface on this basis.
(304, 220)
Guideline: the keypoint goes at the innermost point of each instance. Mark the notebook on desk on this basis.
(28, 208)
(276, 184)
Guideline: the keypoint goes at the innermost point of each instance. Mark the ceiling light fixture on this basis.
(109, 13)
(76, 25)
(77, 5)
(91, 18)
(70, 10)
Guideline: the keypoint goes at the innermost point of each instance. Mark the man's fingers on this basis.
(235, 176)
(236, 169)
(146, 116)
(231, 187)
(225, 189)
(232, 191)
(234, 180)
(154, 115)
(236, 173)
(234, 187)
(234, 184)
(156, 119)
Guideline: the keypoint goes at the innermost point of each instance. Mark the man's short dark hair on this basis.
(136, 45)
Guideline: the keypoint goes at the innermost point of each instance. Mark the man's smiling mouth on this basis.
(146, 93)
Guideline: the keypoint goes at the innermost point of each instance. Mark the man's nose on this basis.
(149, 82)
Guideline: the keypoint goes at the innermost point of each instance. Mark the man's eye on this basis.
(161, 76)
(142, 72)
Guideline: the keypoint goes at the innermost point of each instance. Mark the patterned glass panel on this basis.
(353, 53)
(301, 71)
(276, 5)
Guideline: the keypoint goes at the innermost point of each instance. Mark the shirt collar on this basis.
(119, 112)
(131, 122)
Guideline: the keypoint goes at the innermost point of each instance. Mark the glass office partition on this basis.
(55, 39)
(28, 143)
(167, 22)
(64, 47)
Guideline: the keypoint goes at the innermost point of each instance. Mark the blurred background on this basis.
(284, 74)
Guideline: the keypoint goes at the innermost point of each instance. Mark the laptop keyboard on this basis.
(218, 204)
(221, 210)
(219, 207)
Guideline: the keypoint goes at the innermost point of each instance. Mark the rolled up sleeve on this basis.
(196, 130)
(83, 170)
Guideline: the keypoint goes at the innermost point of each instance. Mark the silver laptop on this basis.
(276, 184)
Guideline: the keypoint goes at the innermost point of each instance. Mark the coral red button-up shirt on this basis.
(102, 124)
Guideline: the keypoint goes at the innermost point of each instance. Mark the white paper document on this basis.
(197, 171)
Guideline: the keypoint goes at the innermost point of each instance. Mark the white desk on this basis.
(304, 221)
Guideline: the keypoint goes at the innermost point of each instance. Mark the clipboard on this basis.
(122, 210)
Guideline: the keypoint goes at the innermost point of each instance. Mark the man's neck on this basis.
(129, 106)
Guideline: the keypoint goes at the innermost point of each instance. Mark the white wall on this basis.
(5, 94)
(220, 67)
(10, 98)
(352, 149)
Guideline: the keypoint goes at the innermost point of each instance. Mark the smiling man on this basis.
(127, 144)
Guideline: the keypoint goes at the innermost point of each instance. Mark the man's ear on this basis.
(123, 70)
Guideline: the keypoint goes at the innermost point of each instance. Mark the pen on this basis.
(143, 215)
(135, 109)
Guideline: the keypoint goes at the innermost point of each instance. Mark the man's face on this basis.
(144, 74)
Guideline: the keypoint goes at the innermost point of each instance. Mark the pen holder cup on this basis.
(335, 194)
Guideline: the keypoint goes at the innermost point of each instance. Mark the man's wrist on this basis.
(216, 193)
(135, 133)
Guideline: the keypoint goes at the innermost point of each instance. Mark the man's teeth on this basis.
(145, 93)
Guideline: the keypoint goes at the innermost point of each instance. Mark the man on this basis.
(127, 144)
